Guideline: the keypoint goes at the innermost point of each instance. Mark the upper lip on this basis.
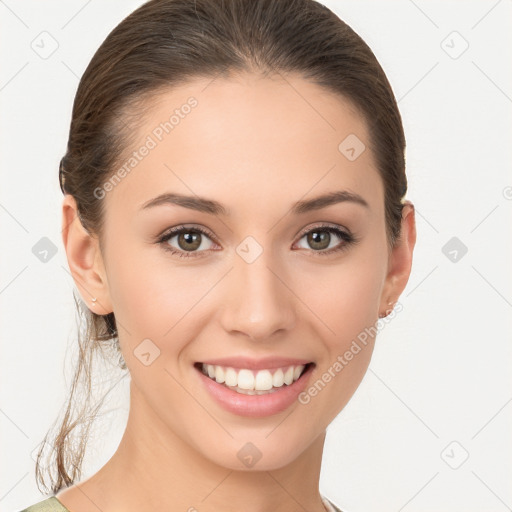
(257, 364)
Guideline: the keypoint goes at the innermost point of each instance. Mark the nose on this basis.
(257, 300)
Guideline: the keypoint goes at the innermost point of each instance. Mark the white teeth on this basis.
(248, 382)
(278, 378)
(263, 380)
(253, 391)
(219, 374)
(288, 376)
(230, 377)
(246, 379)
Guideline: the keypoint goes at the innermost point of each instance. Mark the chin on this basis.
(256, 452)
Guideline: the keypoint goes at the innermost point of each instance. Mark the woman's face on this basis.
(250, 155)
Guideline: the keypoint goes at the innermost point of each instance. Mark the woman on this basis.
(234, 219)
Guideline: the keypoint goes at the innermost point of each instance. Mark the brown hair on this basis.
(169, 42)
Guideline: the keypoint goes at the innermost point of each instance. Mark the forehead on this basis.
(247, 140)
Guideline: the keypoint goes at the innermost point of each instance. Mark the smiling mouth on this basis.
(254, 382)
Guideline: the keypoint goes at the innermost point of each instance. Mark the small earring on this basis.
(388, 311)
(94, 301)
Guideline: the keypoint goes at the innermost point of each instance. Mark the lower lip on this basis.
(256, 405)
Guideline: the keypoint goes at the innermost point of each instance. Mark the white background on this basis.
(440, 373)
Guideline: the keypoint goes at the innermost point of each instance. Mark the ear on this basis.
(400, 261)
(84, 259)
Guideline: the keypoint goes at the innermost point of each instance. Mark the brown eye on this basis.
(321, 240)
(188, 240)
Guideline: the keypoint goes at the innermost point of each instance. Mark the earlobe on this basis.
(400, 262)
(84, 260)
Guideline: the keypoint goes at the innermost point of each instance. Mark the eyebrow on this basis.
(215, 208)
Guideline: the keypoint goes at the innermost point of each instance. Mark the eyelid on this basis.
(323, 224)
(183, 227)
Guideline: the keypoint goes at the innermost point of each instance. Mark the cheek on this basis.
(153, 298)
(344, 297)
(346, 302)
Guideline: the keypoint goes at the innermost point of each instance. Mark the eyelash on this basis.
(346, 237)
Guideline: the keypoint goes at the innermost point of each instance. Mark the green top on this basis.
(52, 504)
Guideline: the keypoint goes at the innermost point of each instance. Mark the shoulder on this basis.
(51, 504)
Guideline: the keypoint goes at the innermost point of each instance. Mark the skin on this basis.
(257, 145)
